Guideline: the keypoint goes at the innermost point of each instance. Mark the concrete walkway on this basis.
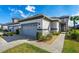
(55, 47)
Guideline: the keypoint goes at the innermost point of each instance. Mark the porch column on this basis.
(57, 25)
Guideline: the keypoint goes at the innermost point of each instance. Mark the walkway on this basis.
(55, 47)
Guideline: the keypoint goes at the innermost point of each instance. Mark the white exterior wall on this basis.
(39, 26)
(5, 27)
(55, 26)
(0, 26)
(33, 21)
(14, 27)
(45, 26)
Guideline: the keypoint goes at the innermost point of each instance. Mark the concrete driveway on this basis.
(17, 37)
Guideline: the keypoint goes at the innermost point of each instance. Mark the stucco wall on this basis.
(42, 26)
(14, 27)
(5, 27)
(55, 26)
(34, 21)
(45, 26)
(38, 26)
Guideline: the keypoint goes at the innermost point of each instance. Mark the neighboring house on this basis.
(39, 23)
(14, 25)
(4, 27)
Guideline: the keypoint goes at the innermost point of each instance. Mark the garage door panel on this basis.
(29, 30)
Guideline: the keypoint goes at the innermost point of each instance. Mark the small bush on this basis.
(49, 36)
(38, 35)
(73, 35)
(68, 35)
(5, 34)
(44, 38)
(55, 33)
(10, 33)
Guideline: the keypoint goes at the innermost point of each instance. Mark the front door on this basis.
(62, 27)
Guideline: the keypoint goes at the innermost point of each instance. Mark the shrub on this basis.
(67, 36)
(49, 36)
(44, 38)
(73, 35)
(1, 30)
(10, 33)
(5, 34)
(38, 35)
(55, 33)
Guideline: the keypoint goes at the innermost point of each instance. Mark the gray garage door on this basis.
(29, 30)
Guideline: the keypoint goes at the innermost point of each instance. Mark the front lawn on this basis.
(25, 48)
(71, 46)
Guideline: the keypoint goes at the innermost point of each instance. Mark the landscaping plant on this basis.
(40, 37)
(55, 33)
(73, 35)
(10, 33)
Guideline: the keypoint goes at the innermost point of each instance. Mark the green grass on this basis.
(25, 48)
(71, 46)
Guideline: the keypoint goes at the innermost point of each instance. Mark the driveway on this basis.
(11, 41)
(16, 37)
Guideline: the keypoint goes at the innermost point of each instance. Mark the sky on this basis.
(7, 12)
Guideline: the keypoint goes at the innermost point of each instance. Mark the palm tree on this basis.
(74, 19)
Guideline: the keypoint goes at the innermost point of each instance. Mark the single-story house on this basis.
(4, 27)
(14, 25)
(39, 23)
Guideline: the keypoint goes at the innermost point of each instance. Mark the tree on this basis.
(74, 19)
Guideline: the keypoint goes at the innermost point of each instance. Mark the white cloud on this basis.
(11, 9)
(30, 8)
(21, 13)
(15, 11)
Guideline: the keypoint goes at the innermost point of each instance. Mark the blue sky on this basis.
(23, 11)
